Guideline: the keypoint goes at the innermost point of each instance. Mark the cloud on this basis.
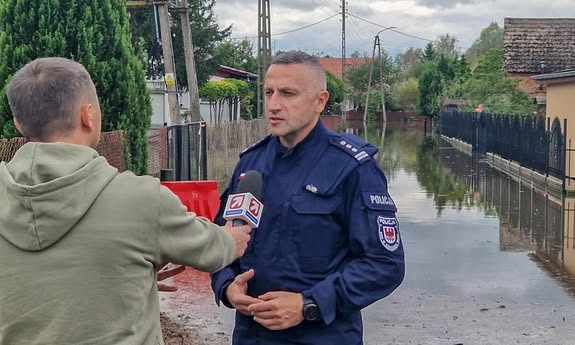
(428, 19)
(445, 3)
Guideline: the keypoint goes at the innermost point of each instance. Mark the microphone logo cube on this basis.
(237, 202)
(244, 206)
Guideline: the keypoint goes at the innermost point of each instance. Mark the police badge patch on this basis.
(388, 232)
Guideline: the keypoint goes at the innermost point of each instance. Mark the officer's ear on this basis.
(322, 98)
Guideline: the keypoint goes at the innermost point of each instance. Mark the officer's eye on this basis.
(269, 92)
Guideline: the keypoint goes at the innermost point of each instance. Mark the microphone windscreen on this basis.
(251, 183)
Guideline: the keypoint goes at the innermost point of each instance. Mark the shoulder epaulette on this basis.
(257, 144)
(353, 146)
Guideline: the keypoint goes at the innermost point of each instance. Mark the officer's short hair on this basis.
(299, 57)
(44, 96)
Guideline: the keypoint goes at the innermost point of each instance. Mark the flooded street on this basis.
(483, 255)
(485, 258)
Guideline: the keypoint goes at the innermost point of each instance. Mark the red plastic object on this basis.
(200, 197)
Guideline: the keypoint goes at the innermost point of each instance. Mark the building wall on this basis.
(561, 104)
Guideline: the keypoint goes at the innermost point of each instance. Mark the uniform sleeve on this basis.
(377, 266)
(222, 278)
(186, 239)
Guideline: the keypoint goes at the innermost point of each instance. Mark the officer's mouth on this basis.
(275, 120)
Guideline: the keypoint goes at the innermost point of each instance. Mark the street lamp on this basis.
(376, 43)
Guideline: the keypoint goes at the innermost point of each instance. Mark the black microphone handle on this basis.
(238, 222)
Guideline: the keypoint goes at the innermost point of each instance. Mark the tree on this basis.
(94, 33)
(206, 34)
(410, 63)
(237, 54)
(221, 93)
(492, 86)
(490, 37)
(446, 45)
(429, 52)
(431, 84)
(356, 54)
(335, 87)
(405, 94)
(358, 76)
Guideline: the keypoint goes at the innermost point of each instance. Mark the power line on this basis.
(294, 30)
(321, 8)
(331, 6)
(394, 30)
(307, 26)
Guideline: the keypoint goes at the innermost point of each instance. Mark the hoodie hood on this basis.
(46, 189)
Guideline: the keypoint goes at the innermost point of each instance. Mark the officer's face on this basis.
(293, 101)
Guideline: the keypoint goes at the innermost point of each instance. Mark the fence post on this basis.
(203, 173)
(564, 154)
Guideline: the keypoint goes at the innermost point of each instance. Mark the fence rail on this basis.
(530, 141)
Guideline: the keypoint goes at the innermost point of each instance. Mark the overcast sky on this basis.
(422, 18)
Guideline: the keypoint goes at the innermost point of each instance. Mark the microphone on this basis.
(243, 207)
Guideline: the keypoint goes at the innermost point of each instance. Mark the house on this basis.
(533, 46)
(561, 104)
(335, 66)
(159, 95)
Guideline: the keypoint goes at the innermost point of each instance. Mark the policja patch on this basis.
(388, 232)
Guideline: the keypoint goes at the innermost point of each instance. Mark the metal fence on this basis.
(530, 141)
(198, 151)
(187, 151)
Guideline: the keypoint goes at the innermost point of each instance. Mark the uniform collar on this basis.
(315, 133)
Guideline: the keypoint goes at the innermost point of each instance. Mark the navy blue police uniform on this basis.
(328, 231)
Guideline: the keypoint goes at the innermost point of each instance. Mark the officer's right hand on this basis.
(236, 293)
(241, 235)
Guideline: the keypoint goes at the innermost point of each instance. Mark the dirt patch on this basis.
(174, 334)
(190, 316)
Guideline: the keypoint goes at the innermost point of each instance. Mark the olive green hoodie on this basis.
(79, 243)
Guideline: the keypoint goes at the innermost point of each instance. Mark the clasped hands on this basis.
(276, 310)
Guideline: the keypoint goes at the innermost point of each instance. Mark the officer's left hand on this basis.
(279, 310)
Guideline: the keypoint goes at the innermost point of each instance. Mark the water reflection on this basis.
(530, 220)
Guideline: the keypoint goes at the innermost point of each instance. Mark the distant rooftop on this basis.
(334, 66)
(539, 45)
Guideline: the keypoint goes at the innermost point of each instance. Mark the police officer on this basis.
(328, 244)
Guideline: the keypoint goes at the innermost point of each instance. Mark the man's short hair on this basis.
(299, 57)
(45, 94)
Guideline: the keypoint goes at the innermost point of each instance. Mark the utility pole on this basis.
(376, 45)
(161, 7)
(190, 62)
(264, 50)
(169, 65)
(343, 14)
(343, 53)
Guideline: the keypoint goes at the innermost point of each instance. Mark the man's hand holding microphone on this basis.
(243, 210)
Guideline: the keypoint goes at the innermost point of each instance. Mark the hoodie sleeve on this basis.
(186, 239)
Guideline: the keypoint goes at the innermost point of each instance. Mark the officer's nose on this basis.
(273, 103)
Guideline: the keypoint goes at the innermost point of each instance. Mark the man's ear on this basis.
(18, 126)
(86, 117)
(322, 100)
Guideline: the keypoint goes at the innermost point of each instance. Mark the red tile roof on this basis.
(333, 65)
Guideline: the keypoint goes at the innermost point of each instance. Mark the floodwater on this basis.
(488, 258)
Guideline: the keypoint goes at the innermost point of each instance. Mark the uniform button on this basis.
(354, 150)
(342, 142)
(348, 146)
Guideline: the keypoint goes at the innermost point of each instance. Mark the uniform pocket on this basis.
(315, 229)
